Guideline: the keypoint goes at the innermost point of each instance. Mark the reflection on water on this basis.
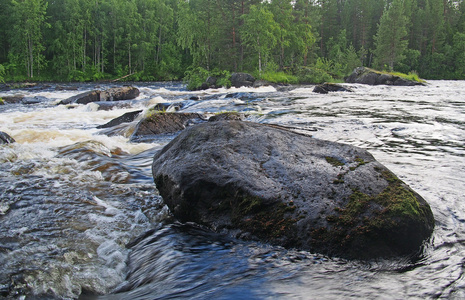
(80, 215)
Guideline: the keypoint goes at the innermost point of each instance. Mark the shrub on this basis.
(194, 77)
(279, 77)
(313, 75)
(223, 78)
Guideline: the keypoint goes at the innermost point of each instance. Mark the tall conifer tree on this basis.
(26, 34)
(390, 40)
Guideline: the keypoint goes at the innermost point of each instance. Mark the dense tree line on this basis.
(162, 39)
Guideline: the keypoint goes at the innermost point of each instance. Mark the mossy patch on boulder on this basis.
(369, 76)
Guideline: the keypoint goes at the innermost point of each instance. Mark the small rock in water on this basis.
(330, 87)
(5, 138)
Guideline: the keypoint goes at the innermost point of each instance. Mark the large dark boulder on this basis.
(5, 138)
(112, 94)
(260, 182)
(371, 77)
(242, 79)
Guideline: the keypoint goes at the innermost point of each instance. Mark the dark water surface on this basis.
(81, 217)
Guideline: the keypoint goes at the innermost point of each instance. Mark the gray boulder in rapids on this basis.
(263, 182)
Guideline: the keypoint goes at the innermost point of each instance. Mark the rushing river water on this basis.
(81, 217)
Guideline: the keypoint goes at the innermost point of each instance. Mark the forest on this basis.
(281, 40)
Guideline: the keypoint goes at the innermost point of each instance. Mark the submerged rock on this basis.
(330, 87)
(5, 138)
(260, 182)
(371, 77)
(13, 99)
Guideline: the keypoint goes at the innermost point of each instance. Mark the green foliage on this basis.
(311, 75)
(333, 68)
(459, 53)
(194, 77)
(410, 76)
(410, 62)
(87, 40)
(279, 77)
(27, 32)
(390, 38)
(259, 32)
(223, 78)
(2, 73)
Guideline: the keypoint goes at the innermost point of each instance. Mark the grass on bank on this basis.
(410, 76)
(279, 77)
(413, 76)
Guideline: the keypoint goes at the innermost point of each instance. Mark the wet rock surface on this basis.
(330, 87)
(126, 118)
(242, 79)
(259, 182)
(5, 138)
(164, 123)
(112, 94)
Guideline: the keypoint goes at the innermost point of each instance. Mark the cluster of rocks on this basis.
(113, 94)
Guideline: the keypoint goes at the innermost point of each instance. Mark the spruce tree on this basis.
(390, 40)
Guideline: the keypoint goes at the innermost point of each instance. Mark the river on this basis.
(80, 216)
